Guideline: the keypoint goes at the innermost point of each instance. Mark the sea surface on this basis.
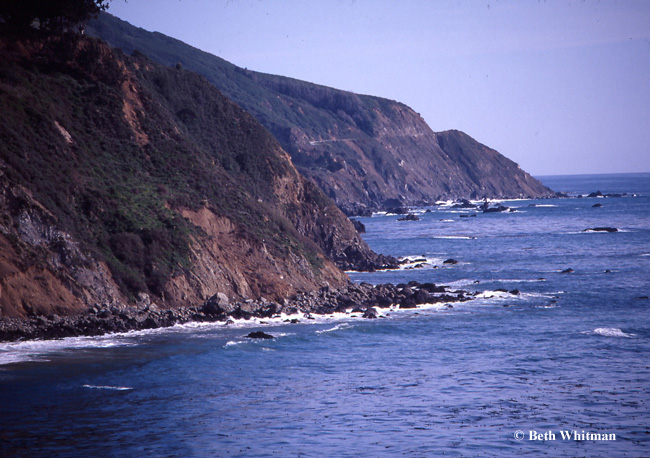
(502, 375)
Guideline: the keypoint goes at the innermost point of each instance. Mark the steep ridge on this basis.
(364, 152)
(123, 181)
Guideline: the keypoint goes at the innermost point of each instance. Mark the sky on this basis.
(560, 87)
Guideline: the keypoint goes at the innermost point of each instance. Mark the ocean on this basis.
(552, 358)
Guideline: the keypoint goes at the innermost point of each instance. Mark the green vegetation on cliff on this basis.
(150, 170)
(361, 150)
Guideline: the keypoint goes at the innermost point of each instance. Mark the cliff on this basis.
(123, 181)
(364, 152)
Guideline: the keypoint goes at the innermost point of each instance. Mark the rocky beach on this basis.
(362, 300)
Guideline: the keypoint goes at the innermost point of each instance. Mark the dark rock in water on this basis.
(464, 204)
(515, 292)
(359, 226)
(643, 297)
(241, 313)
(568, 271)
(422, 297)
(371, 312)
(450, 261)
(596, 194)
(383, 302)
(596, 205)
(217, 305)
(408, 303)
(601, 229)
(344, 303)
(259, 335)
(398, 210)
(432, 288)
(366, 299)
(410, 217)
(499, 209)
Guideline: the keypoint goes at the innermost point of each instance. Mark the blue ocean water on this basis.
(569, 353)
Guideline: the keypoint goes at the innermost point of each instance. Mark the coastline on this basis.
(362, 298)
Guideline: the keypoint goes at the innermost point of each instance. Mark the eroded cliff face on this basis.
(364, 152)
(370, 153)
(43, 269)
(122, 182)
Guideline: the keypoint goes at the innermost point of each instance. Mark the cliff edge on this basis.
(126, 182)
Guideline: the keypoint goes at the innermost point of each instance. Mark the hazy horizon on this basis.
(561, 88)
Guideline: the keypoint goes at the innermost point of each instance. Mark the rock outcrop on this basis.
(361, 301)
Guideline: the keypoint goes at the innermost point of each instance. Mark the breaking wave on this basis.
(109, 387)
(610, 332)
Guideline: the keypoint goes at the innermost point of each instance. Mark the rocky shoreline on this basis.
(362, 298)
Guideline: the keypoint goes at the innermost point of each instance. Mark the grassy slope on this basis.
(373, 148)
(112, 146)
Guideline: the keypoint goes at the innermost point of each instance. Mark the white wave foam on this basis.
(501, 296)
(494, 295)
(510, 200)
(611, 332)
(591, 231)
(232, 343)
(12, 358)
(432, 306)
(37, 350)
(460, 283)
(453, 237)
(419, 262)
(338, 327)
(109, 387)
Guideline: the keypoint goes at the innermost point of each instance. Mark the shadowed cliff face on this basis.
(362, 151)
(121, 179)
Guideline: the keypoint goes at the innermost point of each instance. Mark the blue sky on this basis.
(560, 87)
